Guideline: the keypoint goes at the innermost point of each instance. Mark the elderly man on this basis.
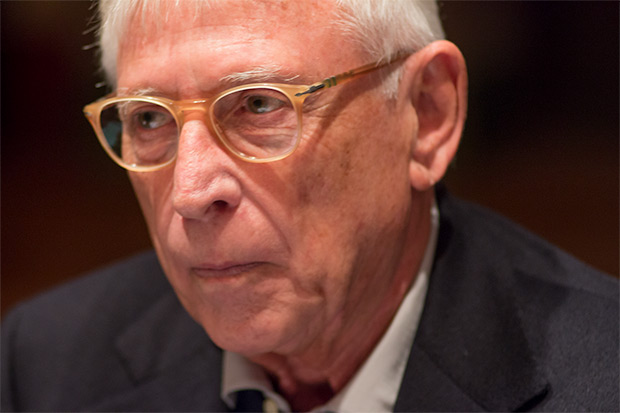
(310, 261)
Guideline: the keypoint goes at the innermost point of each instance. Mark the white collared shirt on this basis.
(374, 388)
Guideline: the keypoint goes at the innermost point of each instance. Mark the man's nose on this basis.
(203, 174)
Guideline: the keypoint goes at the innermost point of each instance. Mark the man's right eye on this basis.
(152, 119)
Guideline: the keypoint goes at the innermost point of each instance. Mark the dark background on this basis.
(540, 145)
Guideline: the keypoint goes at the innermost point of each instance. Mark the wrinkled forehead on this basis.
(151, 17)
(143, 22)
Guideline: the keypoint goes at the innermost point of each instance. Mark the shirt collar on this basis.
(375, 385)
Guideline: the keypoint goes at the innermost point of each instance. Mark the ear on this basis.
(435, 82)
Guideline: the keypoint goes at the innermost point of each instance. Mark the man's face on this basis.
(274, 257)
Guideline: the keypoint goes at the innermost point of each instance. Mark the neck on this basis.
(312, 378)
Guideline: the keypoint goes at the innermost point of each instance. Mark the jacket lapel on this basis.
(171, 362)
(472, 351)
(425, 388)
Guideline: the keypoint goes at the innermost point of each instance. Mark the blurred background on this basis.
(540, 145)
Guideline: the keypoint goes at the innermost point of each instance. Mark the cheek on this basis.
(352, 189)
(357, 162)
(152, 190)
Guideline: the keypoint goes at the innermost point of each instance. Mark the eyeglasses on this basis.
(259, 122)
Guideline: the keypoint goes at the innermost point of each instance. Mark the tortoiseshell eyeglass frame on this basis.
(297, 94)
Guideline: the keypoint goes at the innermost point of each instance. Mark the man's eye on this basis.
(262, 104)
(153, 119)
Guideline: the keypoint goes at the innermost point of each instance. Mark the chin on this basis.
(246, 335)
(247, 343)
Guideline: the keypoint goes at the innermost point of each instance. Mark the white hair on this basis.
(381, 28)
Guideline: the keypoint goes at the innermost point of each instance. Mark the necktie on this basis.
(249, 401)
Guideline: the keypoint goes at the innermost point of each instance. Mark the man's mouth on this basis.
(224, 269)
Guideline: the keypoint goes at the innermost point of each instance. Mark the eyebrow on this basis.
(256, 75)
(260, 74)
(144, 91)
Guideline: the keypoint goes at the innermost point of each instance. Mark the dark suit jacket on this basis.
(510, 324)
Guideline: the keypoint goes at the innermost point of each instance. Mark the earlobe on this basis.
(436, 82)
(420, 176)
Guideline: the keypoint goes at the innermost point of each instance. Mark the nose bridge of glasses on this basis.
(188, 109)
(191, 110)
(187, 106)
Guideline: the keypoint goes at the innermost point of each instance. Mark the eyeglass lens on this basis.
(255, 123)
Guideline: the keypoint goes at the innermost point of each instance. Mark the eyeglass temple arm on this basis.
(351, 74)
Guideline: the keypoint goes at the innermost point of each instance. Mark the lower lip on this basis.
(225, 272)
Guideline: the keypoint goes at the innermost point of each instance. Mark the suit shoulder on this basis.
(496, 286)
(49, 343)
(116, 288)
(98, 304)
(505, 245)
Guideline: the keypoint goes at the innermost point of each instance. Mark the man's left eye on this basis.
(263, 104)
